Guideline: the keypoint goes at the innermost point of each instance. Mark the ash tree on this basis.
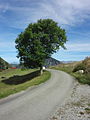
(39, 41)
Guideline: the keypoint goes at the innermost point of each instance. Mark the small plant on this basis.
(78, 103)
(88, 104)
(87, 110)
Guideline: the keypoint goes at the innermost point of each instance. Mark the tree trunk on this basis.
(41, 70)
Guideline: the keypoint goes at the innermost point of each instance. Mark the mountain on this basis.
(51, 62)
(68, 61)
(4, 64)
(48, 62)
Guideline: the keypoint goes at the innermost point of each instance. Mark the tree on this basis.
(39, 41)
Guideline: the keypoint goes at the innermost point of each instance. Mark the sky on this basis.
(71, 15)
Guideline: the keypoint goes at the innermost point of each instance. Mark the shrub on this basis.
(82, 78)
(79, 67)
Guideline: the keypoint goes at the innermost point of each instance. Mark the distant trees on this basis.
(39, 41)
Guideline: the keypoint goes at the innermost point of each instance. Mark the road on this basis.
(39, 102)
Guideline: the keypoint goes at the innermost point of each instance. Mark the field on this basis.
(15, 80)
(69, 67)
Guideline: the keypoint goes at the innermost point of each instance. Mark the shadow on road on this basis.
(16, 79)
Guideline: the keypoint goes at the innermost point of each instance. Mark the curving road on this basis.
(38, 102)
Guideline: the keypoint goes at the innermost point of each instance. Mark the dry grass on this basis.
(69, 67)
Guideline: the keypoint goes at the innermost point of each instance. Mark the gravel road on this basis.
(38, 102)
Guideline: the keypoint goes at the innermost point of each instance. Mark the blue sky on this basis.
(72, 15)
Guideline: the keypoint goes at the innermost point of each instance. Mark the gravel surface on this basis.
(77, 106)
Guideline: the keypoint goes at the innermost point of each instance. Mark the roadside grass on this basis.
(66, 69)
(87, 110)
(14, 81)
(11, 72)
(82, 78)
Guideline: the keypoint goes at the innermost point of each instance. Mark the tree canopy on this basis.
(39, 41)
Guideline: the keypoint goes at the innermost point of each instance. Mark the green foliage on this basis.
(39, 41)
(79, 67)
(87, 110)
(82, 78)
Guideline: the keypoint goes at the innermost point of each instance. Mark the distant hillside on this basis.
(68, 61)
(51, 62)
(4, 64)
(84, 65)
(86, 62)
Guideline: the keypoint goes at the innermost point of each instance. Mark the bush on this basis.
(84, 79)
(79, 67)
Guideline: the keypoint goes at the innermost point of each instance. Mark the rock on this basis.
(80, 71)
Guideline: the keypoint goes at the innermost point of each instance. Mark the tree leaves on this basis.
(39, 41)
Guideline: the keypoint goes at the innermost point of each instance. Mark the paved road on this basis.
(37, 103)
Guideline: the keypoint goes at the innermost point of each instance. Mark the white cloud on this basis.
(7, 47)
(78, 47)
(4, 7)
(67, 12)
(11, 59)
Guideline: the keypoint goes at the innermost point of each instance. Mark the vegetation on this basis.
(84, 65)
(4, 64)
(79, 67)
(82, 78)
(39, 41)
(13, 81)
(86, 62)
(72, 69)
(87, 110)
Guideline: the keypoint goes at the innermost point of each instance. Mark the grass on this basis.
(87, 110)
(13, 81)
(66, 69)
(11, 72)
(82, 78)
